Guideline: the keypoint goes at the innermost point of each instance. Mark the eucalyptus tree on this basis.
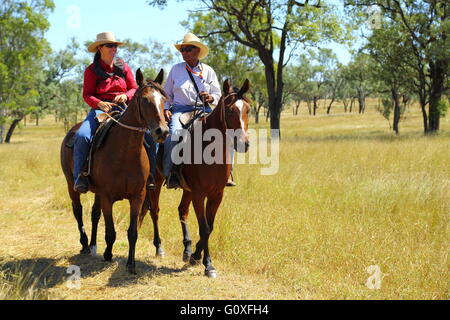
(22, 46)
(391, 69)
(425, 26)
(275, 30)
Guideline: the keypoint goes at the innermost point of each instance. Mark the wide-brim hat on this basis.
(103, 38)
(193, 40)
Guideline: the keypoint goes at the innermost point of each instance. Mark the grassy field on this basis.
(348, 195)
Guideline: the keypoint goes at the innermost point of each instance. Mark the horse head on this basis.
(236, 108)
(150, 98)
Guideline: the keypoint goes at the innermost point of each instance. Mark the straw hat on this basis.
(102, 38)
(192, 39)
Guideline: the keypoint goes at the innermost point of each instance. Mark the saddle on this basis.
(106, 123)
(188, 119)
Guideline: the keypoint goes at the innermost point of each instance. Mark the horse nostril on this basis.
(158, 131)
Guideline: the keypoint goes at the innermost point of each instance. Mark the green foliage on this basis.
(22, 46)
(443, 106)
(270, 30)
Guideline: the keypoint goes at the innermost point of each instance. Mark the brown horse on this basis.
(120, 168)
(207, 181)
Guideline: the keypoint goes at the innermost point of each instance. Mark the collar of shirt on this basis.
(106, 67)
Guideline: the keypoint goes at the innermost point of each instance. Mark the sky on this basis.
(134, 19)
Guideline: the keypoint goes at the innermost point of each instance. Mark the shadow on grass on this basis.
(44, 273)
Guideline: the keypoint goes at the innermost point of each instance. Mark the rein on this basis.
(138, 129)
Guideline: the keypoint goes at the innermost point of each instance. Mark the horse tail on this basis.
(142, 214)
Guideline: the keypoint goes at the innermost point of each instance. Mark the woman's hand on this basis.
(121, 98)
(106, 106)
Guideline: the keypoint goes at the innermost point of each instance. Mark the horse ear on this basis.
(160, 77)
(139, 77)
(244, 88)
(226, 86)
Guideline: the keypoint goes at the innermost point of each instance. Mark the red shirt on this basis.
(95, 89)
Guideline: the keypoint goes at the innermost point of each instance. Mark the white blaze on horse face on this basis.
(240, 105)
(158, 97)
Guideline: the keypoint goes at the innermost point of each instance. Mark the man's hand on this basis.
(206, 97)
(167, 115)
(106, 106)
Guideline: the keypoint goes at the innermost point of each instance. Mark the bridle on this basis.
(138, 102)
(225, 109)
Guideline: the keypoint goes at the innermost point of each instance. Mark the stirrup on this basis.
(150, 185)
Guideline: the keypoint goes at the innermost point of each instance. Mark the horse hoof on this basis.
(132, 270)
(160, 253)
(194, 262)
(186, 257)
(107, 257)
(93, 251)
(212, 274)
(85, 250)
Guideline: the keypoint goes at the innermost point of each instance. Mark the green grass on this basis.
(349, 194)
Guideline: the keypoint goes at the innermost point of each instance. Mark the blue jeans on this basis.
(83, 140)
(152, 150)
(174, 126)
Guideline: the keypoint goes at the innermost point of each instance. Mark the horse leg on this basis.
(183, 211)
(154, 213)
(198, 202)
(110, 233)
(95, 217)
(77, 209)
(212, 205)
(135, 206)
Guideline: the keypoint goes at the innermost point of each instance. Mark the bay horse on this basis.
(120, 168)
(207, 181)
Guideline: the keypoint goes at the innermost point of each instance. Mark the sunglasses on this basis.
(110, 45)
(187, 49)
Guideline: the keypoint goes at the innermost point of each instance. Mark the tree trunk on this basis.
(329, 106)
(362, 102)
(11, 129)
(436, 88)
(315, 105)
(297, 106)
(345, 102)
(396, 99)
(2, 131)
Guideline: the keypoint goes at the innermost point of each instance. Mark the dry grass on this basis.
(348, 195)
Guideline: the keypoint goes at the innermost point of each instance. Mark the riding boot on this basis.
(173, 180)
(81, 184)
